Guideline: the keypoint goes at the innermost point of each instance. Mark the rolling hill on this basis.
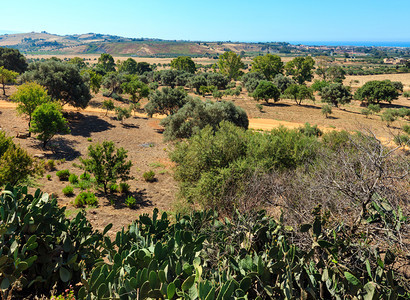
(92, 43)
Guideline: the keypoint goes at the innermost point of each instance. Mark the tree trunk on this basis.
(29, 124)
(4, 90)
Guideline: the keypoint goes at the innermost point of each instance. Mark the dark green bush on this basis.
(85, 176)
(73, 179)
(214, 163)
(123, 188)
(113, 188)
(131, 202)
(149, 176)
(85, 198)
(68, 190)
(196, 114)
(63, 175)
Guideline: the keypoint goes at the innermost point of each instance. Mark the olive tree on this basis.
(196, 114)
(166, 101)
(12, 59)
(298, 93)
(376, 91)
(266, 90)
(63, 82)
(336, 94)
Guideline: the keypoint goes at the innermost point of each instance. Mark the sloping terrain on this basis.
(99, 43)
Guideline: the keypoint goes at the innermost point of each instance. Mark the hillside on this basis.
(91, 43)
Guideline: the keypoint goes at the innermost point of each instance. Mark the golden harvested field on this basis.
(362, 79)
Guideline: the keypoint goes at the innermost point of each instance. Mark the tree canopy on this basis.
(12, 59)
(128, 66)
(47, 121)
(269, 65)
(166, 101)
(63, 82)
(29, 96)
(376, 91)
(301, 69)
(107, 163)
(196, 114)
(336, 94)
(298, 93)
(15, 163)
(136, 89)
(7, 76)
(105, 63)
(183, 63)
(266, 90)
(230, 64)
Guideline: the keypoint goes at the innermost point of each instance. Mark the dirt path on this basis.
(263, 124)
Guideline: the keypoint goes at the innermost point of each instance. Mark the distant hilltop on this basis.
(94, 43)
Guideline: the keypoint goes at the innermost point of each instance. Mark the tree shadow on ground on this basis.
(276, 104)
(129, 126)
(118, 200)
(392, 105)
(63, 148)
(84, 125)
(310, 106)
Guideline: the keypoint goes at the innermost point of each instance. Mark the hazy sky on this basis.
(287, 20)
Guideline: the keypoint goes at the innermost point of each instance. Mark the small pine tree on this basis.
(107, 163)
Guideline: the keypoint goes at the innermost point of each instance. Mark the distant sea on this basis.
(347, 43)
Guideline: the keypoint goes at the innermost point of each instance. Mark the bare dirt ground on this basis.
(146, 149)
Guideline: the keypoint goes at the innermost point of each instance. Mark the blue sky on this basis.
(287, 20)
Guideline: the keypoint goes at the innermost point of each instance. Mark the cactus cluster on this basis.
(196, 256)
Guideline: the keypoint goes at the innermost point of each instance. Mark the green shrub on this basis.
(149, 176)
(73, 179)
(16, 164)
(48, 177)
(130, 202)
(375, 108)
(196, 114)
(68, 190)
(113, 188)
(366, 112)
(63, 175)
(406, 128)
(336, 139)
(123, 187)
(259, 107)
(310, 130)
(212, 164)
(85, 176)
(326, 110)
(50, 165)
(402, 139)
(85, 184)
(85, 198)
